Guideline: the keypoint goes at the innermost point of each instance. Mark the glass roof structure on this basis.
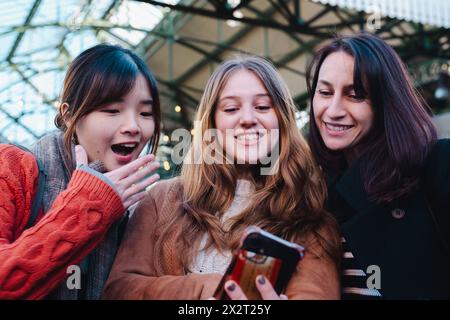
(183, 40)
(39, 38)
(432, 12)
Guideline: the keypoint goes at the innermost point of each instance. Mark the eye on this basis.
(230, 109)
(110, 111)
(146, 114)
(325, 93)
(356, 97)
(263, 108)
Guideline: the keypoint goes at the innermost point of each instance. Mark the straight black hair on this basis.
(402, 134)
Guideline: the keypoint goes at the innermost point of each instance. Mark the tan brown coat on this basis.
(133, 275)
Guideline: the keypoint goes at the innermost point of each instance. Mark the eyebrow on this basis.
(346, 87)
(147, 101)
(259, 95)
(144, 101)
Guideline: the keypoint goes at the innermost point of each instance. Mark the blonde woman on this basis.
(182, 236)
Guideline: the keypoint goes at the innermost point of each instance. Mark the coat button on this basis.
(398, 213)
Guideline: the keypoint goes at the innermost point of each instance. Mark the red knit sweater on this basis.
(35, 261)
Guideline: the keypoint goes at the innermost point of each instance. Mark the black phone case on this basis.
(261, 253)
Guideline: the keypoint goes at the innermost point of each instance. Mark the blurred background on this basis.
(183, 41)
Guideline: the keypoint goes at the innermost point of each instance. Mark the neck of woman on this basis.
(246, 171)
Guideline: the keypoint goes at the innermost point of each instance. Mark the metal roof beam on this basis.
(21, 34)
(220, 49)
(228, 15)
(27, 80)
(17, 121)
(214, 53)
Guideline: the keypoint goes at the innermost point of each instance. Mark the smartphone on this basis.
(261, 253)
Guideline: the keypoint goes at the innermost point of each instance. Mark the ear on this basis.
(64, 110)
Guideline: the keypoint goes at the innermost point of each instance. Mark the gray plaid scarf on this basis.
(96, 266)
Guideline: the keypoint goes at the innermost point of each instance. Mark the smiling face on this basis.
(343, 118)
(245, 118)
(116, 133)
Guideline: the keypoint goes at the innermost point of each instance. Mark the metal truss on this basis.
(425, 49)
(417, 45)
(19, 66)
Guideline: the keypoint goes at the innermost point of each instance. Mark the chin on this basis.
(109, 167)
(333, 146)
(247, 158)
(247, 161)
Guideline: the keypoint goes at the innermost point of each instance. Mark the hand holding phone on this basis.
(261, 253)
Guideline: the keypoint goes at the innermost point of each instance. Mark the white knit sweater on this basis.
(211, 260)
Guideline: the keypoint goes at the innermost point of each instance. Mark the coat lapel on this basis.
(403, 248)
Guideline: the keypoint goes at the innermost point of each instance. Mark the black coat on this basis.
(401, 238)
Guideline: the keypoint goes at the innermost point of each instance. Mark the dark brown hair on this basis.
(98, 76)
(402, 134)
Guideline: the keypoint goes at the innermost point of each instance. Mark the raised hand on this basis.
(127, 179)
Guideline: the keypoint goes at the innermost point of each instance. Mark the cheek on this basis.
(368, 125)
(83, 130)
(224, 121)
(218, 120)
(94, 126)
(317, 113)
(148, 129)
(272, 121)
(366, 119)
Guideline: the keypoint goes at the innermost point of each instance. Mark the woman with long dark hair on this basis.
(109, 112)
(388, 176)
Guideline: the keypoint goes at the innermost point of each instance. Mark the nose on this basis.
(248, 117)
(336, 108)
(130, 125)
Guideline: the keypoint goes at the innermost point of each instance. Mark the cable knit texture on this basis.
(212, 260)
(34, 261)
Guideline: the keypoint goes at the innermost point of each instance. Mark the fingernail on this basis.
(231, 287)
(261, 280)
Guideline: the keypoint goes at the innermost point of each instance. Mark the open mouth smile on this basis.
(249, 137)
(124, 149)
(337, 127)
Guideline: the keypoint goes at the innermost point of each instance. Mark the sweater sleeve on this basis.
(133, 275)
(35, 261)
(317, 275)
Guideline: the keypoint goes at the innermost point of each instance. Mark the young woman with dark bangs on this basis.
(388, 176)
(109, 112)
(180, 240)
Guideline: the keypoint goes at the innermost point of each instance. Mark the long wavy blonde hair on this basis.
(289, 203)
